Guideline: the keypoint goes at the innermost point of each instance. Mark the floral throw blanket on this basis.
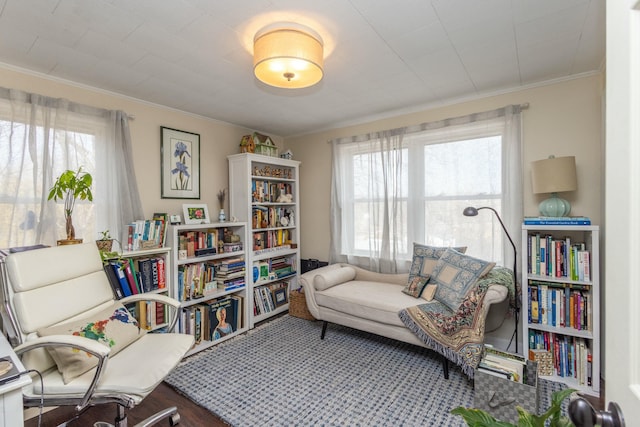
(458, 335)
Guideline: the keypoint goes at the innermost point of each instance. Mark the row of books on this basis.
(571, 355)
(557, 220)
(271, 239)
(273, 268)
(200, 242)
(149, 314)
(269, 297)
(270, 217)
(212, 320)
(505, 365)
(560, 305)
(136, 275)
(146, 233)
(200, 279)
(548, 256)
(268, 191)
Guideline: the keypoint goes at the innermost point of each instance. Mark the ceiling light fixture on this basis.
(288, 55)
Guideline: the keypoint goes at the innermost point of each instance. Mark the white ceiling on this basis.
(381, 56)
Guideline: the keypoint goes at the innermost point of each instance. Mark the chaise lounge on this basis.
(378, 303)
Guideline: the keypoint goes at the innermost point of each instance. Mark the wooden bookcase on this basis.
(207, 275)
(264, 192)
(151, 270)
(565, 327)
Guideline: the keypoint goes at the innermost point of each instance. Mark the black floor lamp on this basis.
(471, 211)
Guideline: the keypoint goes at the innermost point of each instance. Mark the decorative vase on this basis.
(221, 216)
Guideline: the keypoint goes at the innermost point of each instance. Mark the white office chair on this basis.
(47, 294)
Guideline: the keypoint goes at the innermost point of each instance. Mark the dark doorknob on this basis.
(582, 414)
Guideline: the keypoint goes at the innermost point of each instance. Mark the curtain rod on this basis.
(438, 124)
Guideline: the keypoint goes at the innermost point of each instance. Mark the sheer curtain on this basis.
(40, 137)
(416, 188)
(378, 162)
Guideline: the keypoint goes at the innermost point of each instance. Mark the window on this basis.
(395, 188)
(42, 137)
(446, 178)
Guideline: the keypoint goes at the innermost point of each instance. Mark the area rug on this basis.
(282, 374)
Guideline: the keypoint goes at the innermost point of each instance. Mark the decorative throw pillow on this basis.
(330, 278)
(416, 286)
(429, 292)
(455, 274)
(114, 327)
(425, 259)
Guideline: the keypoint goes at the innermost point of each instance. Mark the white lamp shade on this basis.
(554, 175)
(288, 57)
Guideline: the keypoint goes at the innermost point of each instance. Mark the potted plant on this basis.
(105, 243)
(480, 418)
(71, 186)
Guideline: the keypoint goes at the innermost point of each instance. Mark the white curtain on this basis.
(396, 195)
(381, 161)
(40, 137)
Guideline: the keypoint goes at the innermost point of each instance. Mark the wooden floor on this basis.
(191, 415)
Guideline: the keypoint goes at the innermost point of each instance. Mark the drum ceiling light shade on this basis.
(288, 56)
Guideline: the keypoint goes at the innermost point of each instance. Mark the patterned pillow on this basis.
(114, 327)
(416, 286)
(455, 274)
(425, 259)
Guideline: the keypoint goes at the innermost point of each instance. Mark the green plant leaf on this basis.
(478, 418)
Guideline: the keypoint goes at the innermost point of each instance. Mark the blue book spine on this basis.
(124, 284)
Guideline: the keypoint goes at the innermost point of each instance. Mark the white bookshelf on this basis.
(553, 326)
(255, 182)
(184, 287)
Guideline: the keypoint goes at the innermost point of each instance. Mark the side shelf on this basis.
(561, 303)
(142, 271)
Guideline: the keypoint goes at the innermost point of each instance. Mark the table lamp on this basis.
(554, 175)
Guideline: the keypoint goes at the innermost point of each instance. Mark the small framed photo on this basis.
(196, 214)
(180, 164)
(280, 296)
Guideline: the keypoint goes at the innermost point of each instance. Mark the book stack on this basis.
(548, 256)
(281, 267)
(505, 365)
(230, 274)
(557, 220)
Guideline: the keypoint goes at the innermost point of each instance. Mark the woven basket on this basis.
(298, 305)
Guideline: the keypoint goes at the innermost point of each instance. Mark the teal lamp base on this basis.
(554, 206)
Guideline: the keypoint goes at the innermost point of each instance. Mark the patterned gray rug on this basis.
(282, 374)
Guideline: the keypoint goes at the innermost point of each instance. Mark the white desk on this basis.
(11, 411)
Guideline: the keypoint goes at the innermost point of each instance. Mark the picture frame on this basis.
(180, 164)
(280, 296)
(196, 214)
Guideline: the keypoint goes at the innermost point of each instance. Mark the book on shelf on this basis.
(114, 280)
(557, 220)
(222, 317)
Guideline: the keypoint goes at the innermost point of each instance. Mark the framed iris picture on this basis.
(180, 168)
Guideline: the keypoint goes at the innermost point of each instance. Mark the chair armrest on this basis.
(148, 296)
(100, 351)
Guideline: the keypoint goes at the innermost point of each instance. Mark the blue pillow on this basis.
(455, 274)
(425, 258)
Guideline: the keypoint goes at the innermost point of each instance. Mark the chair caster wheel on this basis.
(174, 420)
